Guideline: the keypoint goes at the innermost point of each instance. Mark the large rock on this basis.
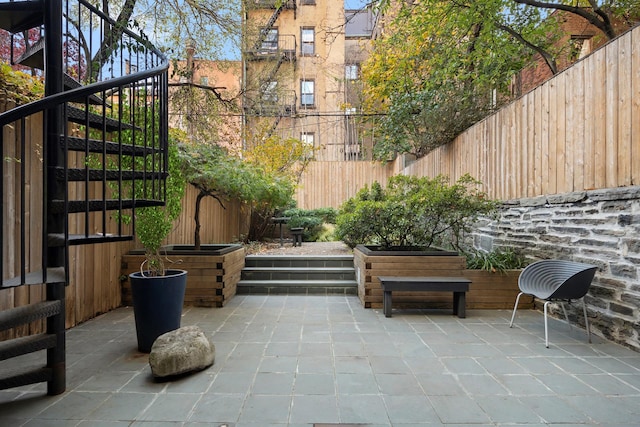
(184, 350)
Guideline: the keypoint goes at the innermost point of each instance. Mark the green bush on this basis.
(416, 212)
(313, 221)
(500, 259)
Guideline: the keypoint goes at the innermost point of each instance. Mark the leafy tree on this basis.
(444, 65)
(216, 173)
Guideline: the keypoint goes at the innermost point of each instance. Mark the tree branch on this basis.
(548, 58)
(597, 18)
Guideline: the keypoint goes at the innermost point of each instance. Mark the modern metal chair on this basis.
(558, 281)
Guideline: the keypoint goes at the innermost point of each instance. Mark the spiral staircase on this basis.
(101, 154)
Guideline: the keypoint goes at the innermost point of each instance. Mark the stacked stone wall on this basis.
(599, 227)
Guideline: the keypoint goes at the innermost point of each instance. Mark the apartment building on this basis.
(301, 64)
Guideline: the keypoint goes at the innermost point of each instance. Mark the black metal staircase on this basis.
(95, 144)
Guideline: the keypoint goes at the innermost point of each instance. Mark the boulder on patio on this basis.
(181, 351)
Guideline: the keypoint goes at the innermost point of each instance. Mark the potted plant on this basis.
(413, 227)
(157, 292)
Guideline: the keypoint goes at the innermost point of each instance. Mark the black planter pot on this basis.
(157, 305)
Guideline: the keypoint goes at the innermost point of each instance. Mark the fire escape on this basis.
(272, 50)
(94, 144)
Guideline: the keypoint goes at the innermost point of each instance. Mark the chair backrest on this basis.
(557, 279)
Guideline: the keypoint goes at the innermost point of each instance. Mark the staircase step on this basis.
(81, 206)
(298, 273)
(26, 376)
(18, 16)
(57, 239)
(310, 287)
(26, 314)
(311, 261)
(54, 275)
(95, 121)
(33, 56)
(98, 146)
(106, 175)
(25, 345)
(71, 83)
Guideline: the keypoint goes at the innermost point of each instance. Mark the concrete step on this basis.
(317, 261)
(298, 273)
(305, 287)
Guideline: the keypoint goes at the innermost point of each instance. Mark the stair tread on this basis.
(54, 275)
(80, 116)
(18, 16)
(24, 345)
(109, 147)
(28, 313)
(298, 282)
(24, 376)
(299, 269)
(33, 56)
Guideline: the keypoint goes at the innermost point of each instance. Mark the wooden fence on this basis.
(578, 131)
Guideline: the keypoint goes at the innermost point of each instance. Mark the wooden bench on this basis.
(458, 285)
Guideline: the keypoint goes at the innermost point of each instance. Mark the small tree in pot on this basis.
(158, 293)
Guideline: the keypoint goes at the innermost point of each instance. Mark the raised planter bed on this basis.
(213, 272)
(487, 290)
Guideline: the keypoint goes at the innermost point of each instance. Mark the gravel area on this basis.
(307, 248)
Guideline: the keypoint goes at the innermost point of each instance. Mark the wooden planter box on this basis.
(212, 273)
(488, 290)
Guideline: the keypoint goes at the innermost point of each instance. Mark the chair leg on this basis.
(513, 316)
(566, 317)
(546, 328)
(586, 321)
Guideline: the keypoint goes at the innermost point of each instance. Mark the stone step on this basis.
(317, 261)
(298, 273)
(298, 287)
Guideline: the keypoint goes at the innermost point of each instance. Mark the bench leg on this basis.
(459, 304)
(386, 303)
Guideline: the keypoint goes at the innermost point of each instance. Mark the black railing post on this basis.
(56, 256)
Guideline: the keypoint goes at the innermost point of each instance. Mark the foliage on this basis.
(153, 224)
(313, 221)
(410, 211)
(216, 173)
(288, 157)
(498, 260)
(442, 66)
(18, 87)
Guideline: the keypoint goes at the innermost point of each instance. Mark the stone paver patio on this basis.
(299, 360)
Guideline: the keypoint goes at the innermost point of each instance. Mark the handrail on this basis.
(67, 96)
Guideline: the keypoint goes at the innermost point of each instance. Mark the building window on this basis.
(352, 71)
(308, 38)
(308, 138)
(308, 2)
(307, 93)
(270, 42)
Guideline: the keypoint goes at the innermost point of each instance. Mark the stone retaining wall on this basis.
(600, 227)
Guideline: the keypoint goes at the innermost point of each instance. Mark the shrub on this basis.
(500, 259)
(416, 212)
(313, 221)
